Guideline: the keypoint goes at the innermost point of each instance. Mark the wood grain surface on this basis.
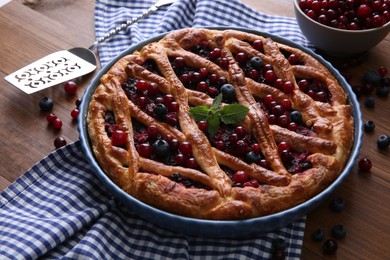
(29, 32)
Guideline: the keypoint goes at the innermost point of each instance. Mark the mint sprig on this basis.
(214, 115)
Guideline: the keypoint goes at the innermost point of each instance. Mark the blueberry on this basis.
(296, 116)
(160, 110)
(373, 77)
(256, 62)
(228, 92)
(369, 102)
(318, 235)
(46, 104)
(369, 126)
(252, 157)
(161, 148)
(383, 91)
(383, 141)
(338, 231)
(330, 246)
(337, 204)
(278, 244)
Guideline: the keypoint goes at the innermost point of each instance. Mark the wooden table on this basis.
(29, 33)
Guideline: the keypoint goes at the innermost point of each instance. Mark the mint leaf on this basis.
(217, 102)
(213, 122)
(200, 113)
(233, 113)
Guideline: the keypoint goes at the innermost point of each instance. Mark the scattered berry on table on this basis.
(57, 123)
(318, 235)
(338, 231)
(330, 247)
(382, 71)
(337, 204)
(369, 102)
(383, 91)
(383, 141)
(369, 126)
(70, 87)
(74, 113)
(59, 142)
(279, 244)
(365, 164)
(50, 118)
(46, 104)
(372, 77)
(77, 102)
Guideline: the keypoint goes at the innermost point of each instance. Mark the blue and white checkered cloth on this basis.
(59, 210)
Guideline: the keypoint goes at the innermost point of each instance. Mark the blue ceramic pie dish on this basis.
(213, 228)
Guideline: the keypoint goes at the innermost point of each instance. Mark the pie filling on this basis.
(294, 137)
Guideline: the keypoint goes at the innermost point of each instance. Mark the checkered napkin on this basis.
(59, 210)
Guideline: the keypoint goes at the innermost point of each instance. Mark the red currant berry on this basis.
(256, 148)
(185, 148)
(57, 123)
(240, 177)
(51, 117)
(70, 87)
(145, 150)
(288, 87)
(365, 164)
(203, 126)
(283, 146)
(59, 142)
(74, 113)
(142, 85)
(382, 71)
(152, 131)
(258, 45)
(118, 138)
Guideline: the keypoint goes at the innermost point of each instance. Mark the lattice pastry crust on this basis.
(319, 143)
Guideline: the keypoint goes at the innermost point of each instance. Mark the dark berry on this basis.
(46, 104)
(383, 141)
(228, 92)
(383, 91)
(318, 235)
(252, 157)
(338, 231)
(59, 142)
(278, 255)
(337, 204)
(160, 110)
(296, 116)
(365, 164)
(278, 244)
(161, 148)
(369, 102)
(369, 126)
(372, 77)
(256, 62)
(330, 247)
(70, 87)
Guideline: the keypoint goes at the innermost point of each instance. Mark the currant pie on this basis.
(220, 124)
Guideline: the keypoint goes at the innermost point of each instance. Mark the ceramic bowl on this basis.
(212, 228)
(337, 42)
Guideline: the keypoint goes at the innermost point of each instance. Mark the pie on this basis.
(220, 124)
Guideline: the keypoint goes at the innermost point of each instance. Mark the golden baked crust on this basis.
(209, 190)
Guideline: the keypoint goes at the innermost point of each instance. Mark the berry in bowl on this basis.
(343, 28)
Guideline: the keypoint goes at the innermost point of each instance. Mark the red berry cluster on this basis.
(348, 14)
